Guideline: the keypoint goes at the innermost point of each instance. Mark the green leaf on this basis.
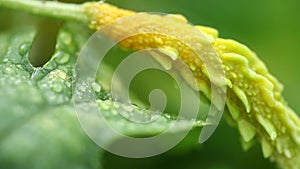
(38, 125)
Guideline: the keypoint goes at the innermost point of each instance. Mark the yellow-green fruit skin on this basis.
(254, 97)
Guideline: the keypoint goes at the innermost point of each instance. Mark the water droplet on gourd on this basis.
(193, 67)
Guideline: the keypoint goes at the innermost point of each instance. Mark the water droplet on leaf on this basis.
(96, 87)
(61, 57)
(24, 48)
(9, 70)
(56, 87)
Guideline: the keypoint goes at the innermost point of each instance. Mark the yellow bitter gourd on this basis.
(254, 96)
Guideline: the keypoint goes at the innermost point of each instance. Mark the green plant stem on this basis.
(51, 9)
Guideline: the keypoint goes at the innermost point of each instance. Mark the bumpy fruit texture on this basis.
(254, 98)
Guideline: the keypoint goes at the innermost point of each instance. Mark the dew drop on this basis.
(8, 70)
(23, 49)
(128, 107)
(56, 87)
(37, 73)
(193, 67)
(96, 87)
(62, 74)
(82, 88)
(201, 123)
(169, 51)
(168, 116)
(51, 65)
(83, 92)
(62, 58)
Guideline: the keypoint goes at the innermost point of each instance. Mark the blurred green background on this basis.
(268, 27)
